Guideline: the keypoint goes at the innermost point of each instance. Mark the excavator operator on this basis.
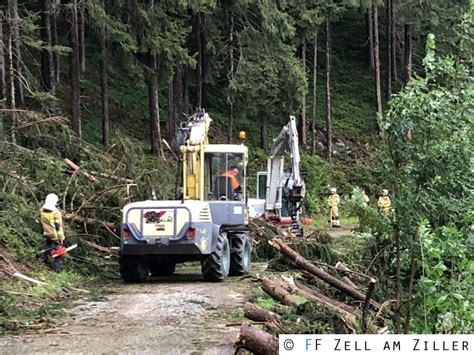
(232, 175)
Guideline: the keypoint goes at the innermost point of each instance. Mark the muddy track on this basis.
(177, 315)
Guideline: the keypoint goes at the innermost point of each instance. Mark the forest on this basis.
(383, 92)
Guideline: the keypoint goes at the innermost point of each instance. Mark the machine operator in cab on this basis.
(232, 175)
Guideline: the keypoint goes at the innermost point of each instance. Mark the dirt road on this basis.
(178, 315)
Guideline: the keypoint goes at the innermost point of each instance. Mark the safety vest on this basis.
(333, 200)
(52, 224)
(233, 180)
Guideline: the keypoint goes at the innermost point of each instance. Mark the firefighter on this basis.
(53, 232)
(384, 203)
(333, 203)
(365, 199)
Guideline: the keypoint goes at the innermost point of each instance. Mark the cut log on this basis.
(76, 168)
(366, 304)
(348, 281)
(304, 264)
(273, 327)
(309, 293)
(255, 313)
(279, 293)
(345, 271)
(255, 341)
(29, 279)
(113, 177)
(292, 286)
(100, 247)
(78, 219)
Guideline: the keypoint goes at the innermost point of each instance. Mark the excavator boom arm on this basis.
(287, 140)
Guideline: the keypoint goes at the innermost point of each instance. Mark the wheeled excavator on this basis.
(280, 193)
(208, 222)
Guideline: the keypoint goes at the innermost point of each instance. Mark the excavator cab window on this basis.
(224, 176)
(262, 185)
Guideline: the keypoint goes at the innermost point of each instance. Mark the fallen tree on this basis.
(255, 313)
(279, 293)
(321, 274)
(255, 341)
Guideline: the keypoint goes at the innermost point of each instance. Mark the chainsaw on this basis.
(60, 251)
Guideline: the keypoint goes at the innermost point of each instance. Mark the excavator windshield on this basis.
(224, 176)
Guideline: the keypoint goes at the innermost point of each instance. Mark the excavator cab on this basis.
(224, 175)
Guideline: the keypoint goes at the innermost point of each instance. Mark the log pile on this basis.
(292, 292)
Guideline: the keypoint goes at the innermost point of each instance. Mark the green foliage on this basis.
(369, 217)
(445, 287)
(319, 177)
(429, 163)
(430, 136)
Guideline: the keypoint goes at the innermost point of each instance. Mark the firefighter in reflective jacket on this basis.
(384, 203)
(333, 203)
(53, 232)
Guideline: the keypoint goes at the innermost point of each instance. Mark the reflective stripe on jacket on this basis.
(52, 224)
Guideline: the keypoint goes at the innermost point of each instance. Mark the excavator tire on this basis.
(132, 269)
(240, 258)
(215, 266)
(162, 269)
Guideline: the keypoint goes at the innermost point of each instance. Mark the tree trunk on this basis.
(378, 92)
(258, 314)
(187, 107)
(407, 54)
(170, 123)
(17, 61)
(178, 102)
(319, 273)
(231, 78)
(82, 37)
(257, 342)
(393, 40)
(315, 77)
(370, 25)
(337, 306)
(390, 49)
(328, 90)
(413, 262)
(199, 67)
(155, 133)
(11, 89)
(303, 99)
(104, 89)
(398, 284)
(263, 132)
(74, 73)
(3, 87)
(48, 77)
(54, 37)
(279, 293)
